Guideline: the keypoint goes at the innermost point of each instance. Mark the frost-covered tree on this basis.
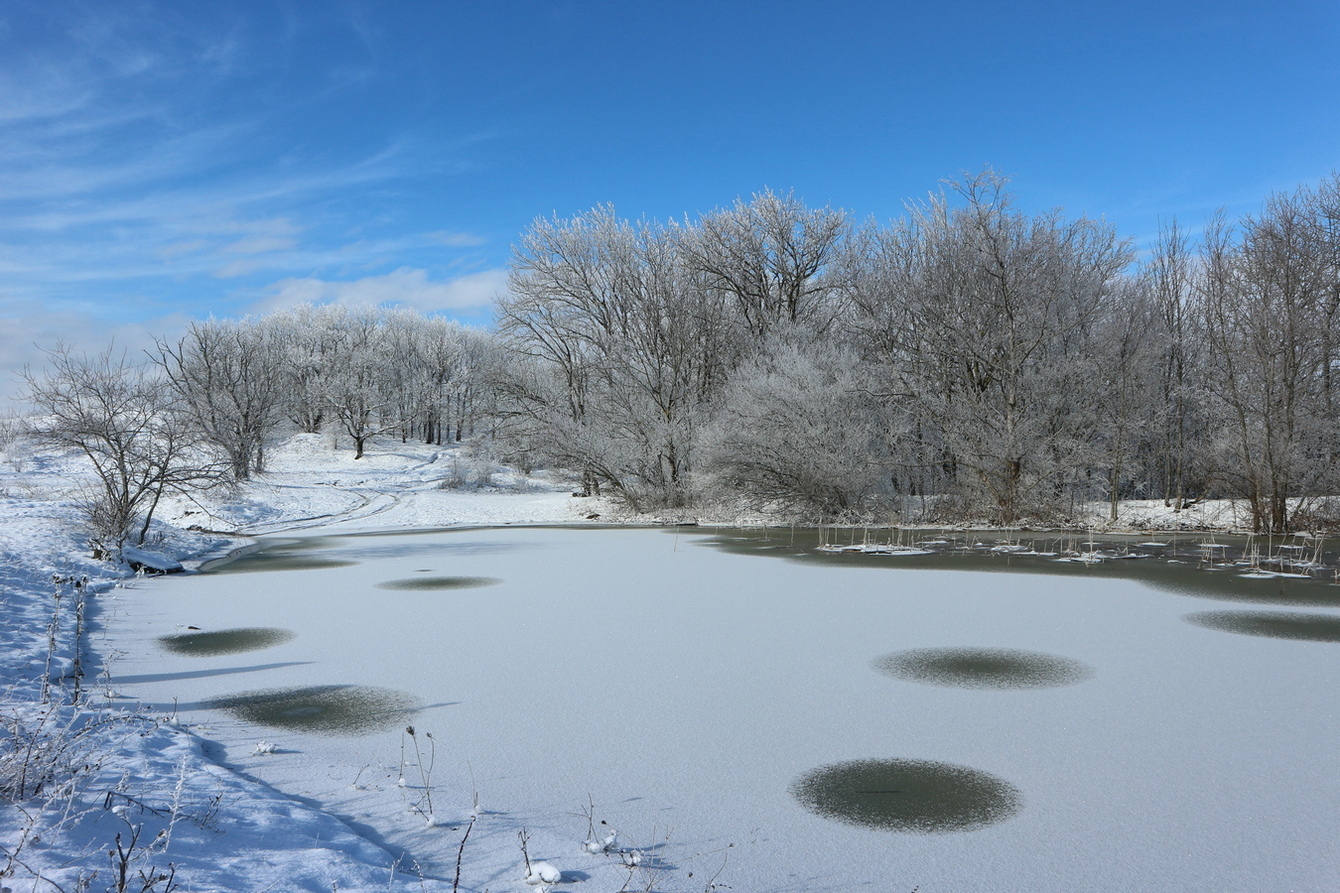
(471, 396)
(359, 389)
(773, 259)
(458, 366)
(227, 375)
(979, 314)
(1125, 374)
(623, 349)
(1178, 425)
(308, 339)
(443, 369)
(798, 431)
(1009, 366)
(1270, 294)
(406, 383)
(124, 418)
(373, 370)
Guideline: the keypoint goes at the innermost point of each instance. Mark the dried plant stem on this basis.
(460, 852)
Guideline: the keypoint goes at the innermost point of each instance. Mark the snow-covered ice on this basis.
(684, 689)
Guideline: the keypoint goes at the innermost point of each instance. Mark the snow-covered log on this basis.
(150, 562)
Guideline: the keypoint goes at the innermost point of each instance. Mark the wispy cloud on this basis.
(457, 240)
(404, 287)
(265, 236)
(149, 161)
(28, 330)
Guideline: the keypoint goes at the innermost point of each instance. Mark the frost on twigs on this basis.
(131, 866)
(42, 747)
(644, 869)
(51, 770)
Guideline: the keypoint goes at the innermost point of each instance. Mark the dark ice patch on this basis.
(915, 796)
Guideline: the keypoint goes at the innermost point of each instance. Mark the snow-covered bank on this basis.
(107, 768)
(310, 484)
(84, 778)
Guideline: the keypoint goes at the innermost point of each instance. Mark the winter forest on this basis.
(968, 362)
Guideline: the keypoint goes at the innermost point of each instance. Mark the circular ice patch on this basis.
(225, 641)
(917, 796)
(323, 709)
(1272, 624)
(983, 668)
(424, 584)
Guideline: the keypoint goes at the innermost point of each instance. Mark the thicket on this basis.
(969, 361)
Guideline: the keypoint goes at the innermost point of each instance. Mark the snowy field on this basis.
(680, 690)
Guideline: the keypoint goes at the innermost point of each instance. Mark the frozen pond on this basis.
(835, 722)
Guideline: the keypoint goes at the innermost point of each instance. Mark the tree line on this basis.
(201, 410)
(968, 361)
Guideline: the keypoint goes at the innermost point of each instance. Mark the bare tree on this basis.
(774, 259)
(979, 313)
(1269, 295)
(228, 375)
(122, 417)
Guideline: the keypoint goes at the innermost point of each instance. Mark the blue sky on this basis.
(161, 161)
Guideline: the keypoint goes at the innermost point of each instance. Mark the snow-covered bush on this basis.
(13, 440)
(798, 433)
(469, 470)
(40, 747)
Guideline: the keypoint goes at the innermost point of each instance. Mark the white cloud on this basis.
(457, 240)
(176, 249)
(259, 245)
(28, 329)
(404, 287)
(238, 268)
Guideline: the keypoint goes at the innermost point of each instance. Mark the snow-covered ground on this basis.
(270, 822)
(310, 484)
